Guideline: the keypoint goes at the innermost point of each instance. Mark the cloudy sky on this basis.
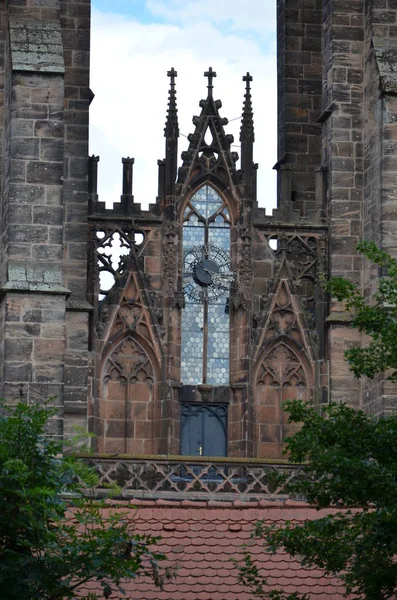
(135, 42)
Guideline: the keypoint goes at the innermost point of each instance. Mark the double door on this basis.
(204, 429)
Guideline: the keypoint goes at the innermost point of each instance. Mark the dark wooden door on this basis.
(204, 430)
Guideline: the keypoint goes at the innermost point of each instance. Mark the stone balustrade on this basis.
(203, 478)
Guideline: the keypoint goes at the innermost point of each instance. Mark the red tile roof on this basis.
(203, 537)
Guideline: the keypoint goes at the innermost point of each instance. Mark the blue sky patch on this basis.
(129, 8)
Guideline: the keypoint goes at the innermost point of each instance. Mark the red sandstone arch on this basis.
(129, 409)
(283, 372)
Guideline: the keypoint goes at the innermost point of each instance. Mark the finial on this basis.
(247, 124)
(171, 124)
(248, 78)
(172, 74)
(210, 74)
(247, 138)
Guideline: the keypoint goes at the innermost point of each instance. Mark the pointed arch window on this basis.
(206, 282)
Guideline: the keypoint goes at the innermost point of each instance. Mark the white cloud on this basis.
(128, 76)
(254, 15)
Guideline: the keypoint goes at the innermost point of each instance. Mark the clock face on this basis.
(207, 273)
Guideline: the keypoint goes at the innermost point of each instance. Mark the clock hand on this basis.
(223, 277)
(208, 270)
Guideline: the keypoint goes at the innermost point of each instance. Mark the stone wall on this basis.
(343, 159)
(44, 185)
(75, 25)
(299, 98)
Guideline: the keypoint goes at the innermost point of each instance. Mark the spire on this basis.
(171, 133)
(247, 123)
(171, 129)
(247, 138)
(210, 74)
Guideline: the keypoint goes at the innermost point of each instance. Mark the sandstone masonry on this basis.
(112, 359)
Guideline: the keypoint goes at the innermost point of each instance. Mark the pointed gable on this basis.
(284, 367)
(128, 311)
(129, 410)
(284, 318)
(209, 155)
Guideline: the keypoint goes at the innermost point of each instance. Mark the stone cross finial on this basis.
(173, 75)
(210, 74)
(247, 78)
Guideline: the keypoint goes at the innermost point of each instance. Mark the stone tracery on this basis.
(129, 363)
(281, 367)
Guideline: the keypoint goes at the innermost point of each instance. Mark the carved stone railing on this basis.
(191, 478)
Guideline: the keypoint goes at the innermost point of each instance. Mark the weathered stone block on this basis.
(48, 215)
(17, 371)
(25, 148)
(49, 128)
(28, 233)
(46, 372)
(18, 349)
(44, 172)
(51, 150)
(30, 194)
(49, 350)
(48, 252)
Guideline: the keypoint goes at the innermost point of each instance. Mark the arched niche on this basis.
(283, 372)
(129, 406)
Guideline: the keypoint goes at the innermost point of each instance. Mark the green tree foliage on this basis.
(55, 537)
(378, 319)
(351, 465)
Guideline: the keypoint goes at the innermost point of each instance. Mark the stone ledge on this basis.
(40, 288)
(78, 305)
(37, 277)
(327, 112)
(386, 59)
(178, 458)
(339, 318)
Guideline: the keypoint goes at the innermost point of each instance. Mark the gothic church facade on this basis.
(215, 312)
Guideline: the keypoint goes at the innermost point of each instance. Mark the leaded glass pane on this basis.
(219, 237)
(192, 344)
(218, 343)
(206, 201)
(194, 221)
(193, 236)
(220, 222)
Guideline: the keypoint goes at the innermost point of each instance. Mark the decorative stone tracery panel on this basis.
(284, 371)
(129, 364)
(280, 376)
(128, 399)
(281, 368)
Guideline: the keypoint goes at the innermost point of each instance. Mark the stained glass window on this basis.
(205, 318)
